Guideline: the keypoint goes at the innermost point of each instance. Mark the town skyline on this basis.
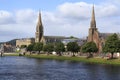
(64, 18)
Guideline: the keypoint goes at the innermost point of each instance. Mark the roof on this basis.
(55, 37)
(105, 35)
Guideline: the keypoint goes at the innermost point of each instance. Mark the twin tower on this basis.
(92, 36)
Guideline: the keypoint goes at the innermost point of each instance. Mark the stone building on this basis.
(24, 41)
(93, 32)
(51, 39)
(7, 47)
(95, 36)
(39, 34)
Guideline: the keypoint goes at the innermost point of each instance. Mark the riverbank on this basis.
(10, 54)
(78, 59)
(68, 58)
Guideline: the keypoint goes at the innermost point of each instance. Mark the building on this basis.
(95, 36)
(39, 34)
(53, 39)
(80, 42)
(7, 47)
(24, 41)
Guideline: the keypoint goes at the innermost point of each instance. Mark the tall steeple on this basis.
(93, 31)
(93, 21)
(39, 23)
(39, 29)
(39, 18)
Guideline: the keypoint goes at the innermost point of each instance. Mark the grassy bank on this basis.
(78, 59)
(10, 54)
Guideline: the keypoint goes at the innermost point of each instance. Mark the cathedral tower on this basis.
(39, 30)
(93, 32)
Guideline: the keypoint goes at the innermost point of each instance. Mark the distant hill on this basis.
(12, 42)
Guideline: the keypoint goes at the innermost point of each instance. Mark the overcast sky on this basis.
(18, 18)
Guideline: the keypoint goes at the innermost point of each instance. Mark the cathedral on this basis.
(94, 35)
(39, 34)
(39, 31)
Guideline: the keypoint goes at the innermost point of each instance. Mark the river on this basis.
(22, 68)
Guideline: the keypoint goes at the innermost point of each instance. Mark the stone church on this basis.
(94, 35)
(39, 36)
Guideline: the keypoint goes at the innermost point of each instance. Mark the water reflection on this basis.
(21, 68)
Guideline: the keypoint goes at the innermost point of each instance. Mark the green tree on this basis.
(89, 47)
(59, 47)
(73, 47)
(38, 47)
(23, 46)
(112, 45)
(48, 47)
(72, 37)
(30, 47)
(118, 46)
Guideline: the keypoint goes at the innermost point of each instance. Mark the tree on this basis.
(118, 46)
(72, 37)
(48, 47)
(89, 47)
(59, 47)
(30, 47)
(23, 46)
(73, 47)
(38, 47)
(112, 45)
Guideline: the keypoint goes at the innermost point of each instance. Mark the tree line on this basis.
(57, 47)
(112, 45)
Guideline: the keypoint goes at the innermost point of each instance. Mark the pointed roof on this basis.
(93, 21)
(39, 18)
(39, 23)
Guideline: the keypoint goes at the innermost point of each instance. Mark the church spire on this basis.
(93, 21)
(39, 23)
(39, 18)
(39, 29)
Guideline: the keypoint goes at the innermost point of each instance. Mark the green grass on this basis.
(14, 54)
(77, 59)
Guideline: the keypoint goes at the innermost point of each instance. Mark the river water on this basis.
(22, 68)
